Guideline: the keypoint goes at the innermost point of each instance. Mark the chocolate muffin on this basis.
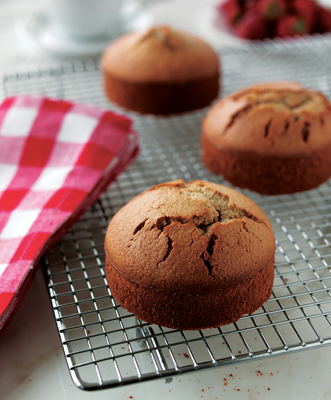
(160, 71)
(190, 255)
(272, 138)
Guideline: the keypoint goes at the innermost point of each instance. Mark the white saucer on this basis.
(37, 30)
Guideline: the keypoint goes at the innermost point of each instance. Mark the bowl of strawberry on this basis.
(269, 19)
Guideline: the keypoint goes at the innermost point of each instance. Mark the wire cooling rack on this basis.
(104, 345)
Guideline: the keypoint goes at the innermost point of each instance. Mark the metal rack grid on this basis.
(104, 345)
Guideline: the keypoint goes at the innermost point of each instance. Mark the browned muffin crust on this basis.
(163, 98)
(272, 138)
(161, 71)
(190, 256)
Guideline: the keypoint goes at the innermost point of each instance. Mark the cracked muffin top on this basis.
(282, 118)
(183, 236)
(160, 54)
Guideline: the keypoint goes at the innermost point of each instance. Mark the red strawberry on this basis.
(251, 26)
(323, 20)
(250, 3)
(231, 10)
(291, 25)
(271, 9)
(307, 10)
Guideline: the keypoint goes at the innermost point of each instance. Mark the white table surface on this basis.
(32, 365)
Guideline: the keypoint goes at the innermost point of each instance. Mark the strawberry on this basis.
(251, 26)
(307, 10)
(323, 20)
(271, 9)
(231, 10)
(291, 25)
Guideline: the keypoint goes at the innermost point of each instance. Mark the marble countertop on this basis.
(32, 362)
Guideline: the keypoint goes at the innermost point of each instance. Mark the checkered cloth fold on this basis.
(56, 158)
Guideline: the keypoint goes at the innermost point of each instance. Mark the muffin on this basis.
(271, 138)
(190, 255)
(160, 71)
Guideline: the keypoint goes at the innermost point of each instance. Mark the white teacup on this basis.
(84, 19)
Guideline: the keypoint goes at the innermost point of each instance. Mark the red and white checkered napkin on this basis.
(56, 158)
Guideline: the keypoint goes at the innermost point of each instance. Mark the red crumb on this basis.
(238, 390)
(186, 355)
(202, 390)
(230, 375)
(130, 397)
(268, 388)
(239, 352)
(225, 379)
(88, 332)
(271, 374)
(122, 348)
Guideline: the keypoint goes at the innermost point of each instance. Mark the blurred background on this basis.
(29, 37)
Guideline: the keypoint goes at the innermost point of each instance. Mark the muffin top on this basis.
(159, 54)
(189, 236)
(281, 118)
